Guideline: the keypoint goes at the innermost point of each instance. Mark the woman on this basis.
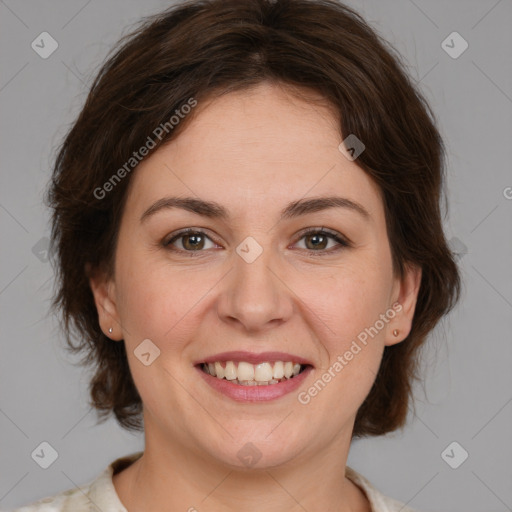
(250, 253)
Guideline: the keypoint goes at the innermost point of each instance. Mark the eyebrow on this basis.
(214, 210)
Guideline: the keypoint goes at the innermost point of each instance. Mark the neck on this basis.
(173, 477)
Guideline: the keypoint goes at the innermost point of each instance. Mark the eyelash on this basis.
(333, 235)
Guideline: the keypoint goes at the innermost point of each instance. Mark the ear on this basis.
(103, 290)
(404, 297)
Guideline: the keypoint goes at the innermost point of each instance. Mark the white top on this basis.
(101, 492)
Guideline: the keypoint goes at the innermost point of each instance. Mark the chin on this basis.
(257, 450)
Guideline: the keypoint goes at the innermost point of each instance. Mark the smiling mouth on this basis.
(247, 374)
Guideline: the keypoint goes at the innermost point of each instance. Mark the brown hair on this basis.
(204, 48)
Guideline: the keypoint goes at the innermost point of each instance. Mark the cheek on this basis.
(146, 301)
(345, 318)
(142, 306)
(349, 302)
(160, 301)
(362, 322)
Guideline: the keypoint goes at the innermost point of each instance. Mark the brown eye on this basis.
(189, 241)
(317, 240)
(192, 242)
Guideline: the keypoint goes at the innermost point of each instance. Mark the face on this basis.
(264, 274)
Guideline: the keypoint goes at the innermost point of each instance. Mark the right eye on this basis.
(191, 240)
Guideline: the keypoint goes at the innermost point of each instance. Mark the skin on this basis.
(252, 151)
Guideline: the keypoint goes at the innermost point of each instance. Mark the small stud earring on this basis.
(110, 330)
(395, 332)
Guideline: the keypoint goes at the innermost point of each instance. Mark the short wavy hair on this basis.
(205, 48)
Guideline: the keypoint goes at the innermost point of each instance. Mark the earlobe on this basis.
(103, 290)
(405, 296)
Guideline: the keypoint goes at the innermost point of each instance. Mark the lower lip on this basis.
(242, 393)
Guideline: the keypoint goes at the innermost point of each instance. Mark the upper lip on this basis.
(254, 358)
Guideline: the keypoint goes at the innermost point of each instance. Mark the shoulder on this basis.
(99, 493)
(378, 501)
(65, 501)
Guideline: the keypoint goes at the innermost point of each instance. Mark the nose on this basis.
(255, 296)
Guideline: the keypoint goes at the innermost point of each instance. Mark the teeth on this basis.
(288, 369)
(245, 371)
(263, 372)
(218, 370)
(248, 374)
(230, 371)
(278, 372)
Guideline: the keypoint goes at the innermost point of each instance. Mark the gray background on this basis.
(467, 396)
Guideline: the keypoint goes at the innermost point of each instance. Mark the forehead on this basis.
(254, 149)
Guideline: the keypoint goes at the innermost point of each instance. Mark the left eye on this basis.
(318, 239)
